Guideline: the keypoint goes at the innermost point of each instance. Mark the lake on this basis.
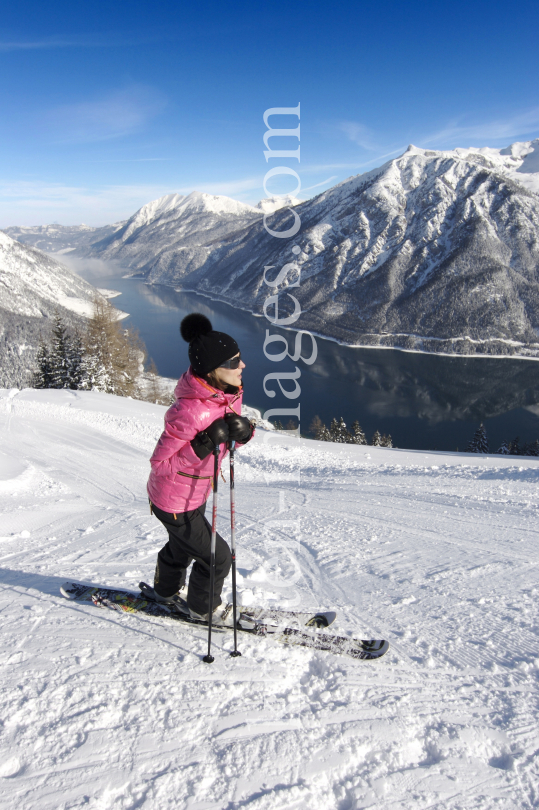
(423, 401)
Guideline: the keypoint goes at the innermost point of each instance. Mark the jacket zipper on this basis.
(198, 477)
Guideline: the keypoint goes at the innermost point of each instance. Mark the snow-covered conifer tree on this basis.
(533, 448)
(339, 432)
(65, 357)
(42, 375)
(75, 353)
(358, 436)
(479, 443)
(503, 449)
(514, 447)
(386, 441)
(345, 435)
(324, 435)
(376, 439)
(60, 362)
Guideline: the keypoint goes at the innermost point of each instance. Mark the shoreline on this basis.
(477, 355)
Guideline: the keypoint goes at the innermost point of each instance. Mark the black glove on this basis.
(207, 440)
(239, 428)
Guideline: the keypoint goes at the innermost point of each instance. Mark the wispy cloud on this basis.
(358, 134)
(113, 116)
(460, 134)
(323, 183)
(103, 40)
(131, 160)
(6, 47)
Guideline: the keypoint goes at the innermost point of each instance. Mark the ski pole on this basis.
(235, 651)
(209, 659)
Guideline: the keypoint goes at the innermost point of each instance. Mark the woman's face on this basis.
(229, 376)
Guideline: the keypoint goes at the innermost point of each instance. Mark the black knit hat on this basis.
(208, 349)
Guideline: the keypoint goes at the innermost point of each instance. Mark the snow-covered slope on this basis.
(437, 552)
(174, 223)
(33, 286)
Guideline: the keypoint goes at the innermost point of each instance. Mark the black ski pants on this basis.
(189, 538)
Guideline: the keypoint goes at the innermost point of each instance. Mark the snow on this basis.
(436, 551)
(197, 201)
(32, 280)
(271, 204)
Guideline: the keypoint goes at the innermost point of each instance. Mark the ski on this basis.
(272, 617)
(254, 620)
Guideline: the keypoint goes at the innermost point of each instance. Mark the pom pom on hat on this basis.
(194, 326)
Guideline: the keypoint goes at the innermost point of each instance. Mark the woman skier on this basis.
(207, 413)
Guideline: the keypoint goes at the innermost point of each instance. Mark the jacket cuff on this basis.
(202, 445)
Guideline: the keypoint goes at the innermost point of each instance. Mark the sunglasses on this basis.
(234, 363)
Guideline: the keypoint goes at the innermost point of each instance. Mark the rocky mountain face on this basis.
(435, 251)
(33, 286)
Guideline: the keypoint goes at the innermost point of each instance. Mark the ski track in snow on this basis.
(435, 551)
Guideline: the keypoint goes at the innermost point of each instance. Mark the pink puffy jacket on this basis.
(179, 480)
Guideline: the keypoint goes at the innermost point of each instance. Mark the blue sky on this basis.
(107, 106)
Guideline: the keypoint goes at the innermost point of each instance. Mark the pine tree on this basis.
(376, 439)
(60, 362)
(278, 425)
(42, 376)
(533, 448)
(75, 356)
(65, 357)
(386, 441)
(503, 449)
(334, 430)
(324, 435)
(514, 447)
(339, 432)
(479, 443)
(358, 436)
(344, 433)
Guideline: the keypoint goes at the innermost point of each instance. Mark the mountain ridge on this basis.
(432, 251)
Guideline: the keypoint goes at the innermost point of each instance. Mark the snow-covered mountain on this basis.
(61, 238)
(33, 286)
(433, 250)
(173, 224)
